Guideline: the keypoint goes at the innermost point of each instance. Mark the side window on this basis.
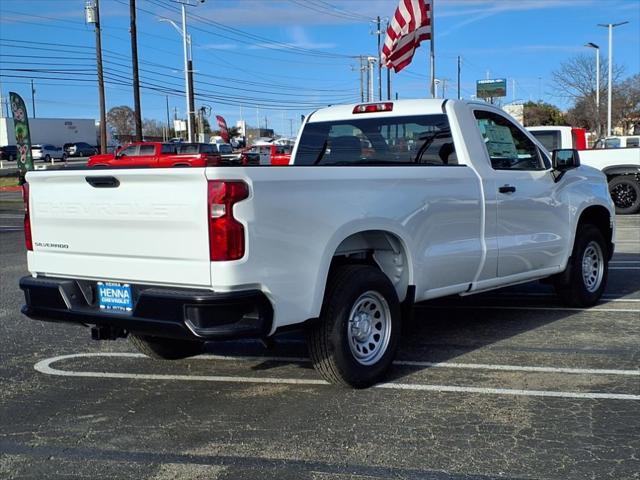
(130, 151)
(508, 147)
(633, 142)
(612, 143)
(549, 139)
(147, 150)
(168, 148)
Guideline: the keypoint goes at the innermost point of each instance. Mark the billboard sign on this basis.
(491, 88)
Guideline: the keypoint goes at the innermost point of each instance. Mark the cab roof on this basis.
(400, 108)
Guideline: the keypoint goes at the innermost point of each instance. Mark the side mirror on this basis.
(565, 159)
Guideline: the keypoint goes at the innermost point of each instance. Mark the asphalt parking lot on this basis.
(508, 384)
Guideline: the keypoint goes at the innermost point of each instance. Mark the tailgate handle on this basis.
(103, 182)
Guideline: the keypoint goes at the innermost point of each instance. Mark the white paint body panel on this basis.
(457, 234)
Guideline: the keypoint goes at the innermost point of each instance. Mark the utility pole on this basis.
(444, 87)
(191, 101)
(372, 61)
(610, 26)
(459, 75)
(379, 33)
(168, 120)
(92, 15)
(361, 59)
(136, 79)
(33, 100)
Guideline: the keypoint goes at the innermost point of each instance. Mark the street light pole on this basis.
(188, 65)
(186, 72)
(597, 49)
(610, 26)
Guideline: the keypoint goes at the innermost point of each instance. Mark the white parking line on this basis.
(624, 268)
(508, 307)
(604, 300)
(44, 366)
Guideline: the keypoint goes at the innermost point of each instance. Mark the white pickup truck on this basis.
(621, 165)
(383, 205)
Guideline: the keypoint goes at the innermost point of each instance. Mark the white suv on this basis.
(47, 153)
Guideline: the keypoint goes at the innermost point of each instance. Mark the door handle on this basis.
(507, 189)
(103, 182)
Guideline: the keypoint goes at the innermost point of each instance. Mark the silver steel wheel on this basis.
(369, 328)
(592, 266)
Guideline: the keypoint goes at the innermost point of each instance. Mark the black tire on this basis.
(331, 340)
(571, 285)
(47, 158)
(625, 192)
(165, 348)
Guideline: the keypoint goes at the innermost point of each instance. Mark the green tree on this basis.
(541, 113)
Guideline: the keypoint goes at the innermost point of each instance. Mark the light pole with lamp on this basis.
(597, 49)
(186, 46)
(610, 26)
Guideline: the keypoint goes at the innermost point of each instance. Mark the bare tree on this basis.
(153, 128)
(576, 79)
(121, 119)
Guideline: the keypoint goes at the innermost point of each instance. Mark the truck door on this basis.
(533, 227)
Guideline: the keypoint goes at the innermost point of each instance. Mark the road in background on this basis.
(508, 384)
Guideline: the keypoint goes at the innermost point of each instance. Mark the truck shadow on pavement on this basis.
(453, 327)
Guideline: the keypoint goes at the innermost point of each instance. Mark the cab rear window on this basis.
(411, 140)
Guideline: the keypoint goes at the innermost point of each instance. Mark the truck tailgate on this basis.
(149, 226)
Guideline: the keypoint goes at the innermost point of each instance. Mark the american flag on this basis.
(411, 24)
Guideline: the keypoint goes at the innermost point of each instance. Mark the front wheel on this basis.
(625, 193)
(165, 348)
(356, 337)
(584, 281)
(47, 158)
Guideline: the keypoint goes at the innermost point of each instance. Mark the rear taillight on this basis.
(27, 220)
(226, 234)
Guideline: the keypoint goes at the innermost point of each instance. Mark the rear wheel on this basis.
(625, 192)
(584, 281)
(47, 158)
(165, 348)
(356, 338)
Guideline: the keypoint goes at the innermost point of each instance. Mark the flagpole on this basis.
(432, 56)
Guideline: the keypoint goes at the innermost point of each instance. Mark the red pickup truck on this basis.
(159, 155)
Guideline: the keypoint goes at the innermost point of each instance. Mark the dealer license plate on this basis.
(115, 296)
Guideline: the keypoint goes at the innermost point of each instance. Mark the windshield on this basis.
(378, 141)
(225, 149)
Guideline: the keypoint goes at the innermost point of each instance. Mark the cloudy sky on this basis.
(282, 58)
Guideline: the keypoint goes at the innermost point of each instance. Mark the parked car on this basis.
(618, 142)
(226, 152)
(79, 149)
(47, 152)
(158, 154)
(266, 154)
(620, 165)
(343, 246)
(9, 152)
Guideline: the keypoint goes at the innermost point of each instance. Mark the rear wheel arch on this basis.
(382, 249)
